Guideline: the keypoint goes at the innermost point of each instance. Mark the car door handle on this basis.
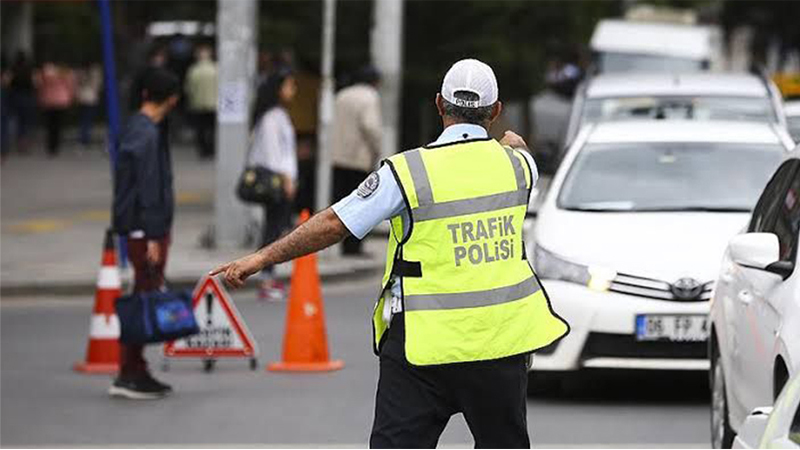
(745, 296)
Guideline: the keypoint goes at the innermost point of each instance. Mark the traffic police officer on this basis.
(460, 310)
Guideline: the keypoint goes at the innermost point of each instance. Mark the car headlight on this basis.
(550, 266)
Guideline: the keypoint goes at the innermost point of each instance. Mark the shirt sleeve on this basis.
(362, 210)
(534, 177)
(532, 164)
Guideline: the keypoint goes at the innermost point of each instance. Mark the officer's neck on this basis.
(448, 121)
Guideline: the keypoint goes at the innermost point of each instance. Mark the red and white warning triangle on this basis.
(223, 332)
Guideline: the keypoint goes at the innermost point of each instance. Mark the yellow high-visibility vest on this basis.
(468, 291)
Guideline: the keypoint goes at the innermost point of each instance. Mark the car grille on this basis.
(657, 289)
(610, 345)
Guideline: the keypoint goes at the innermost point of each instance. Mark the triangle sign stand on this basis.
(223, 332)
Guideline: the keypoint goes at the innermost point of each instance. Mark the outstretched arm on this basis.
(319, 232)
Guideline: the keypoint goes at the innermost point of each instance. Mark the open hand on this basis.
(236, 272)
(513, 140)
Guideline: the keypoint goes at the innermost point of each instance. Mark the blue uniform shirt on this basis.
(368, 206)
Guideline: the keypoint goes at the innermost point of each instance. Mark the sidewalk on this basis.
(54, 212)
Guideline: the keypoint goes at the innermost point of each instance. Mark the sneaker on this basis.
(148, 378)
(136, 389)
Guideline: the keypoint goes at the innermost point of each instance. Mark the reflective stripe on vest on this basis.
(427, 210)
(472, 299)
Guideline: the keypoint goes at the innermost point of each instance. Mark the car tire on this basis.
(721, 433)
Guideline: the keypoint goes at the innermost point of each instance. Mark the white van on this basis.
(633, 46)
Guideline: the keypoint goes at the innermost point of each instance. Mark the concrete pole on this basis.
(236, 50)
(387, 56)
(323, 194)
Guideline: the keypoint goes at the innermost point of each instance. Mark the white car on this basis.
(755, 310)
(774, 427)
(697, 96)
(628, 240)
(792, 109)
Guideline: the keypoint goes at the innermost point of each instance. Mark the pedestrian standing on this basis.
(274, 146)
(90, 83)
(56, 91)
(461, 309)
(201, 94)
(143, 212)
(22, 100)
(356, 139)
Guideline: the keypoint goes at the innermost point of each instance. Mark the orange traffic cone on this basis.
(102, 354)
(305, 344)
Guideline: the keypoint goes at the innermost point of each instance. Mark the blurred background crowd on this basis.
(52, 77)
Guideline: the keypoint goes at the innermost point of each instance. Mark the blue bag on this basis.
(156, 316)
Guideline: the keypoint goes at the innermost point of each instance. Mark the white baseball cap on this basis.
(473, 76)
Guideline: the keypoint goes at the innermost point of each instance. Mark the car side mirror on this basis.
(759, 251)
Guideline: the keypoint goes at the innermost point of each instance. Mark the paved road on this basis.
(44, 403)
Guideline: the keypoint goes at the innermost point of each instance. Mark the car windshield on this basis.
(751, 109)
(631, 62)
(668, 176)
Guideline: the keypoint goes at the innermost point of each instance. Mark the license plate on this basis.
(672, 327)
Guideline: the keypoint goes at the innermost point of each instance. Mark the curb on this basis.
(88, 287)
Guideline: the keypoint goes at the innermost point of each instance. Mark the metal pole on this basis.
(112, 99)
(110, 80)
(323, 194)
(236, 49)
(387, 56)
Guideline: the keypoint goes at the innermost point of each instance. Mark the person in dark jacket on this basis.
(143, 211)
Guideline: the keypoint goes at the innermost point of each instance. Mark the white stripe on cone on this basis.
(104, 327)
(108, 278)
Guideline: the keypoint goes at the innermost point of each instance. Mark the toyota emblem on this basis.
(687, 289)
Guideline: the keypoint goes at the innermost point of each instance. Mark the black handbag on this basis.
(156, 316)
(257, 184)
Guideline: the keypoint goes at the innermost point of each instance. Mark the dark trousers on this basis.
(146, 278)
(414, 403)
(346, 181)
(53, 119)
(277, 221)
(204, 129)
(88, 113)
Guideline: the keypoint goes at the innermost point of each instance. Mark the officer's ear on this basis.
(497, 108)
(439, 104)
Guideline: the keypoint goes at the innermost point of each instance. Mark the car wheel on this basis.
(721, 432)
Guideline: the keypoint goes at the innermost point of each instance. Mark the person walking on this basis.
(143, 212)
(356, 139)
(56, 90)
(90, 83)
(201, 93)
(274, 146)
(461, 309)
